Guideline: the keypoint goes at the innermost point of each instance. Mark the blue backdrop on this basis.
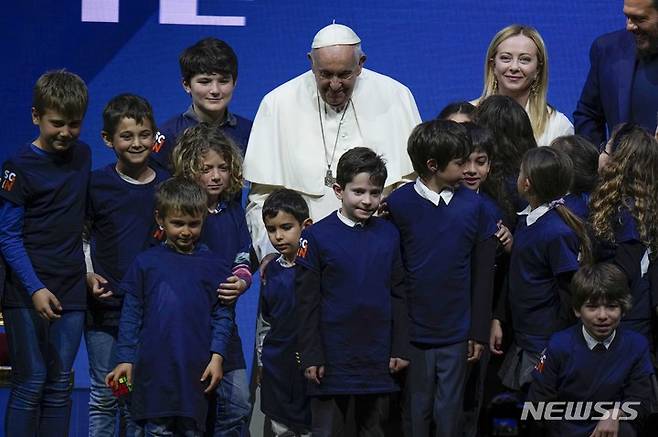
(435, 47)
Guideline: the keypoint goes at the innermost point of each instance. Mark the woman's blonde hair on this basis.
(538, 109)
(191, 148)
(629, 180)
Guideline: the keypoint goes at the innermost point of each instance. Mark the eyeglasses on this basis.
(342, 76)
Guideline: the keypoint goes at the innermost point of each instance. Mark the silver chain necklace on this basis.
(329, 179)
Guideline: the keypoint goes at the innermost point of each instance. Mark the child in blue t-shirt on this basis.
(174, 331)
(448, 249)
(209, 158)
(596, 361)
(44, 187)
(120, 207)
(585, 160)
(549, 243)
(209, 71)
(623, 217)
(283, 387)
(352, 323)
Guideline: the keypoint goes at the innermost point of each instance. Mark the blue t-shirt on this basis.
(541, 252)
(122, 223)
(357, 266)
(234, 126)
(283, 387)
(171, 323)
(437, 244)
(570, 371)
(226, 235)
(52, 189)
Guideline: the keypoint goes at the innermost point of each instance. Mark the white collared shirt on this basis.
(283, 262)
(349, 222)
(434, 197)
(532, 215)
(592, 342)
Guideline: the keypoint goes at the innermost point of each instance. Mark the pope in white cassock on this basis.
(304, 126)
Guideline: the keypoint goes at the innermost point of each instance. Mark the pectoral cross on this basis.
(329, 179)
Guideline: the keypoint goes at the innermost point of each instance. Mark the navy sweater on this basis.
(541, 252)
(439, 249)
(570, 371)
(350, 305)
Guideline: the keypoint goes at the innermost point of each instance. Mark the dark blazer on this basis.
(605, 100)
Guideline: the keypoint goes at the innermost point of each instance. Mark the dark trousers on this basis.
(476, 374)
(329, 414)
(434, 390)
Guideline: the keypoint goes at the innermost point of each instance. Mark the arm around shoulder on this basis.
(308, 297)
(254, 217)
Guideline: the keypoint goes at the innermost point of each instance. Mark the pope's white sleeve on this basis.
(254, 217)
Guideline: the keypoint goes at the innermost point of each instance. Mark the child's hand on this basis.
(96, 285)
(314, 374)
(46, 304)
(215, 371)
(496, 338)
(475, 350)
(504, 236)
(606, 428)
(230, 290)
(397, 364)
(382, 211)
(264, 262)
(122, 369)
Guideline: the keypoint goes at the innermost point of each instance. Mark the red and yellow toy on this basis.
(122, 388)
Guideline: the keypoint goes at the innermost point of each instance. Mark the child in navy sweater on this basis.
(283, 387)
(209, 158)
(448, 249)
(120, 207)
(595, 360)
(209, 71)
(44, 187)
(174, 331)
(351, 312)
(549, 243)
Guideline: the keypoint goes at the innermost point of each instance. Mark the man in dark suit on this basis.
(622, 84)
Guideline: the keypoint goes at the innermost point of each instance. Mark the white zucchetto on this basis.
(334, 35)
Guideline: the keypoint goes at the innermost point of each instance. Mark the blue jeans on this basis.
(42, 355)
(103, 405)
(168, 426)
(233, 406)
